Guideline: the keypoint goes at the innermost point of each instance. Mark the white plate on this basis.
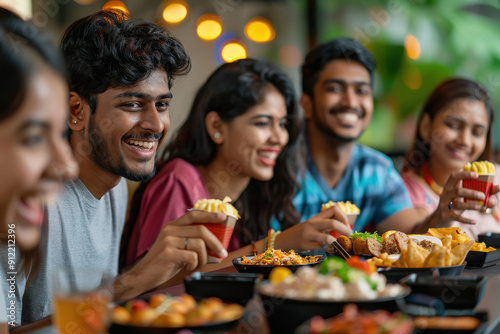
(420, 237)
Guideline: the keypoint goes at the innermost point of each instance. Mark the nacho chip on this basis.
(481, 247)
(441, 232)
(436, 258)
(401, 262)
(447, 241)
(414, 255)
(459, 253)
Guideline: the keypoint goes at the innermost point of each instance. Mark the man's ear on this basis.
(307, 104)
(77, 110)
(424, 129)
(215, 127)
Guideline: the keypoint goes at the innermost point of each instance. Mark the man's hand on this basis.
(179, 246)
(314, 233)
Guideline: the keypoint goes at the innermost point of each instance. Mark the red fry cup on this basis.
(483, 184)
(223, 231)
(351, 219)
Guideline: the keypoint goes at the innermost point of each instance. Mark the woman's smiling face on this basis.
(254, 139)
(36, 156)
(458, 133)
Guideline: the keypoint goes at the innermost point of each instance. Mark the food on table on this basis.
(216, 205)
(354, 321)
(447, 323)
(334, 280)
(279, 274)
(481, 247)
(278, 258)
(395, 243)
(415, 256)
(361, 243)
(346, 207)
(367, 246)
(346, 243)
(480, 167)
(165, 311)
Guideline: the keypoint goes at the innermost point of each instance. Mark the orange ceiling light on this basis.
(412, 47)
(114, 4)
(260, 30)
(175, 11)
(209, 27)
(233, 50)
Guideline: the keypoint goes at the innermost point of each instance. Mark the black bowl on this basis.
(230, 287)
(394, 275)
(462, 292)
(266, 269)
(221, 327)
(477, 259)
(490, 239)
(285, 315)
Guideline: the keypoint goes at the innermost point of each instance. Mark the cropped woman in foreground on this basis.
(34, 153)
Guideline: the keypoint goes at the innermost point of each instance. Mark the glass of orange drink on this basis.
(81, 299)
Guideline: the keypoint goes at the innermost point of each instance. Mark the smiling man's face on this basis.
(342, 105)
(129, 125)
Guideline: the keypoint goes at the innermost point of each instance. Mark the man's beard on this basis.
(324, 129)
(101, 155)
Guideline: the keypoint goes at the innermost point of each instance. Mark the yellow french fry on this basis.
(478, 167)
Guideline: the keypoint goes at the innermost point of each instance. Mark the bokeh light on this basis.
(260, 30)
(412, 47)
(175, 11)
(114, 4)
(209, 27)
(290, 56)
(233, 50)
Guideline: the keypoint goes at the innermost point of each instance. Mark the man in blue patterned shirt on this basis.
(337, 83)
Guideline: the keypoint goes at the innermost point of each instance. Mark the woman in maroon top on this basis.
(239, 140)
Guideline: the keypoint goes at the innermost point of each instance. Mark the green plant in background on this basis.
(456, 38)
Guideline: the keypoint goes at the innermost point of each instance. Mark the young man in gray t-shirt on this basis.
(120, 74)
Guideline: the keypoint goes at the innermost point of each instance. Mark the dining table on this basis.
(254, 319)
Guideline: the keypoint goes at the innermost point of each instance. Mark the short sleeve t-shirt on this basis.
(370, 181)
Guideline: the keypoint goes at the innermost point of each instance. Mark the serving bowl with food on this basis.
(264, 262)
(325, 290)
(166, 314)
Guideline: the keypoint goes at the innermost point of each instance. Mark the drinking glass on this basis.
(81, 299)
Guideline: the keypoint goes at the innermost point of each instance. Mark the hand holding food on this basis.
(313, 233)
(223, 231)
(486, 171)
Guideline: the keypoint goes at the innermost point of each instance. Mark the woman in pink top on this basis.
(453, 129)
(239, 140)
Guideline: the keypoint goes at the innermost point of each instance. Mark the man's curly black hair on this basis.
(108, 49)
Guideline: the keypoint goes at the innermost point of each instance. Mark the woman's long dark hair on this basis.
(230, 91)
(445, 94)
